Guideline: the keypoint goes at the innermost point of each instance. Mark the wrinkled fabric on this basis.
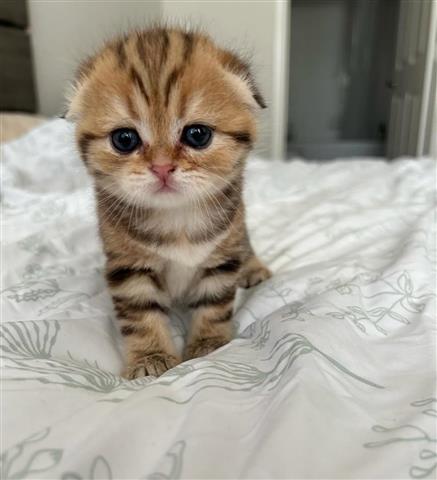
(332, 370)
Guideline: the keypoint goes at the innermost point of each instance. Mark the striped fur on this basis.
(190, 244)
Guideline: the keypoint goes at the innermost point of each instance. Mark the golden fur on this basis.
(189, 245)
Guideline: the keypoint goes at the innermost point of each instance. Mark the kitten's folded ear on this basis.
(234, 65)
(259, 99)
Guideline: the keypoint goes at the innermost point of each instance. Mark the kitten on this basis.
(164, 122)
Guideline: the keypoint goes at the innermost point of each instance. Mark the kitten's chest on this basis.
(184, 265)
(179, 277)
(182, 257)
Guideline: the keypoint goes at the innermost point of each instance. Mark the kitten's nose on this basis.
(163, 171)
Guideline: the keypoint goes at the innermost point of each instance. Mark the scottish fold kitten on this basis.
(164, 122)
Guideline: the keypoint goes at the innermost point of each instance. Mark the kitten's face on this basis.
(165, 117)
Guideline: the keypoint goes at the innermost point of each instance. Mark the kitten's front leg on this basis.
(253, 272)
(211, 324)
(141, 310)
(147, 340)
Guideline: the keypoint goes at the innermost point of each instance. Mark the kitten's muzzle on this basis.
(163, 172)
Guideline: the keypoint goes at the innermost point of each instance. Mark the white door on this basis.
(412, 77)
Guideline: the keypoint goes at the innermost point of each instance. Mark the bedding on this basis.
(331, 373)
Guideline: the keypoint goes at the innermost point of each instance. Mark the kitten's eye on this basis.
(196, 136)
(125, 140)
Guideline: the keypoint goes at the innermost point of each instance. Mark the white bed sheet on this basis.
(331, 374)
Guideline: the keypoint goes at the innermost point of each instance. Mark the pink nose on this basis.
(163, 171)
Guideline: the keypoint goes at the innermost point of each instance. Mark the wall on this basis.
(64, 32)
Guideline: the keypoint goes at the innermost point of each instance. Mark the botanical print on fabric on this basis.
(423, 438)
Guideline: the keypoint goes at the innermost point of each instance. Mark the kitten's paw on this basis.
(155, 364)
(253, 274)
(202, 346)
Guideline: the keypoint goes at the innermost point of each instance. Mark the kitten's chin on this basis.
(165, 197)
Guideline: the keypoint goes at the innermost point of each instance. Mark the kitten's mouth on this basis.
(166, 188)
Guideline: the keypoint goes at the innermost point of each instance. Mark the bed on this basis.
(331, 373)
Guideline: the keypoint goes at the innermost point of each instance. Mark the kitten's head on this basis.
(164, 116)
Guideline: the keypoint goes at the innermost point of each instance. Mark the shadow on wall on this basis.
(342, 56)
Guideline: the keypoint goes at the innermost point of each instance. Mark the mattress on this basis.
(332, 370)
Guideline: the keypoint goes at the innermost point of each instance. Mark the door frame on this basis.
(281, 79)
(428, 107)
(412, 104)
